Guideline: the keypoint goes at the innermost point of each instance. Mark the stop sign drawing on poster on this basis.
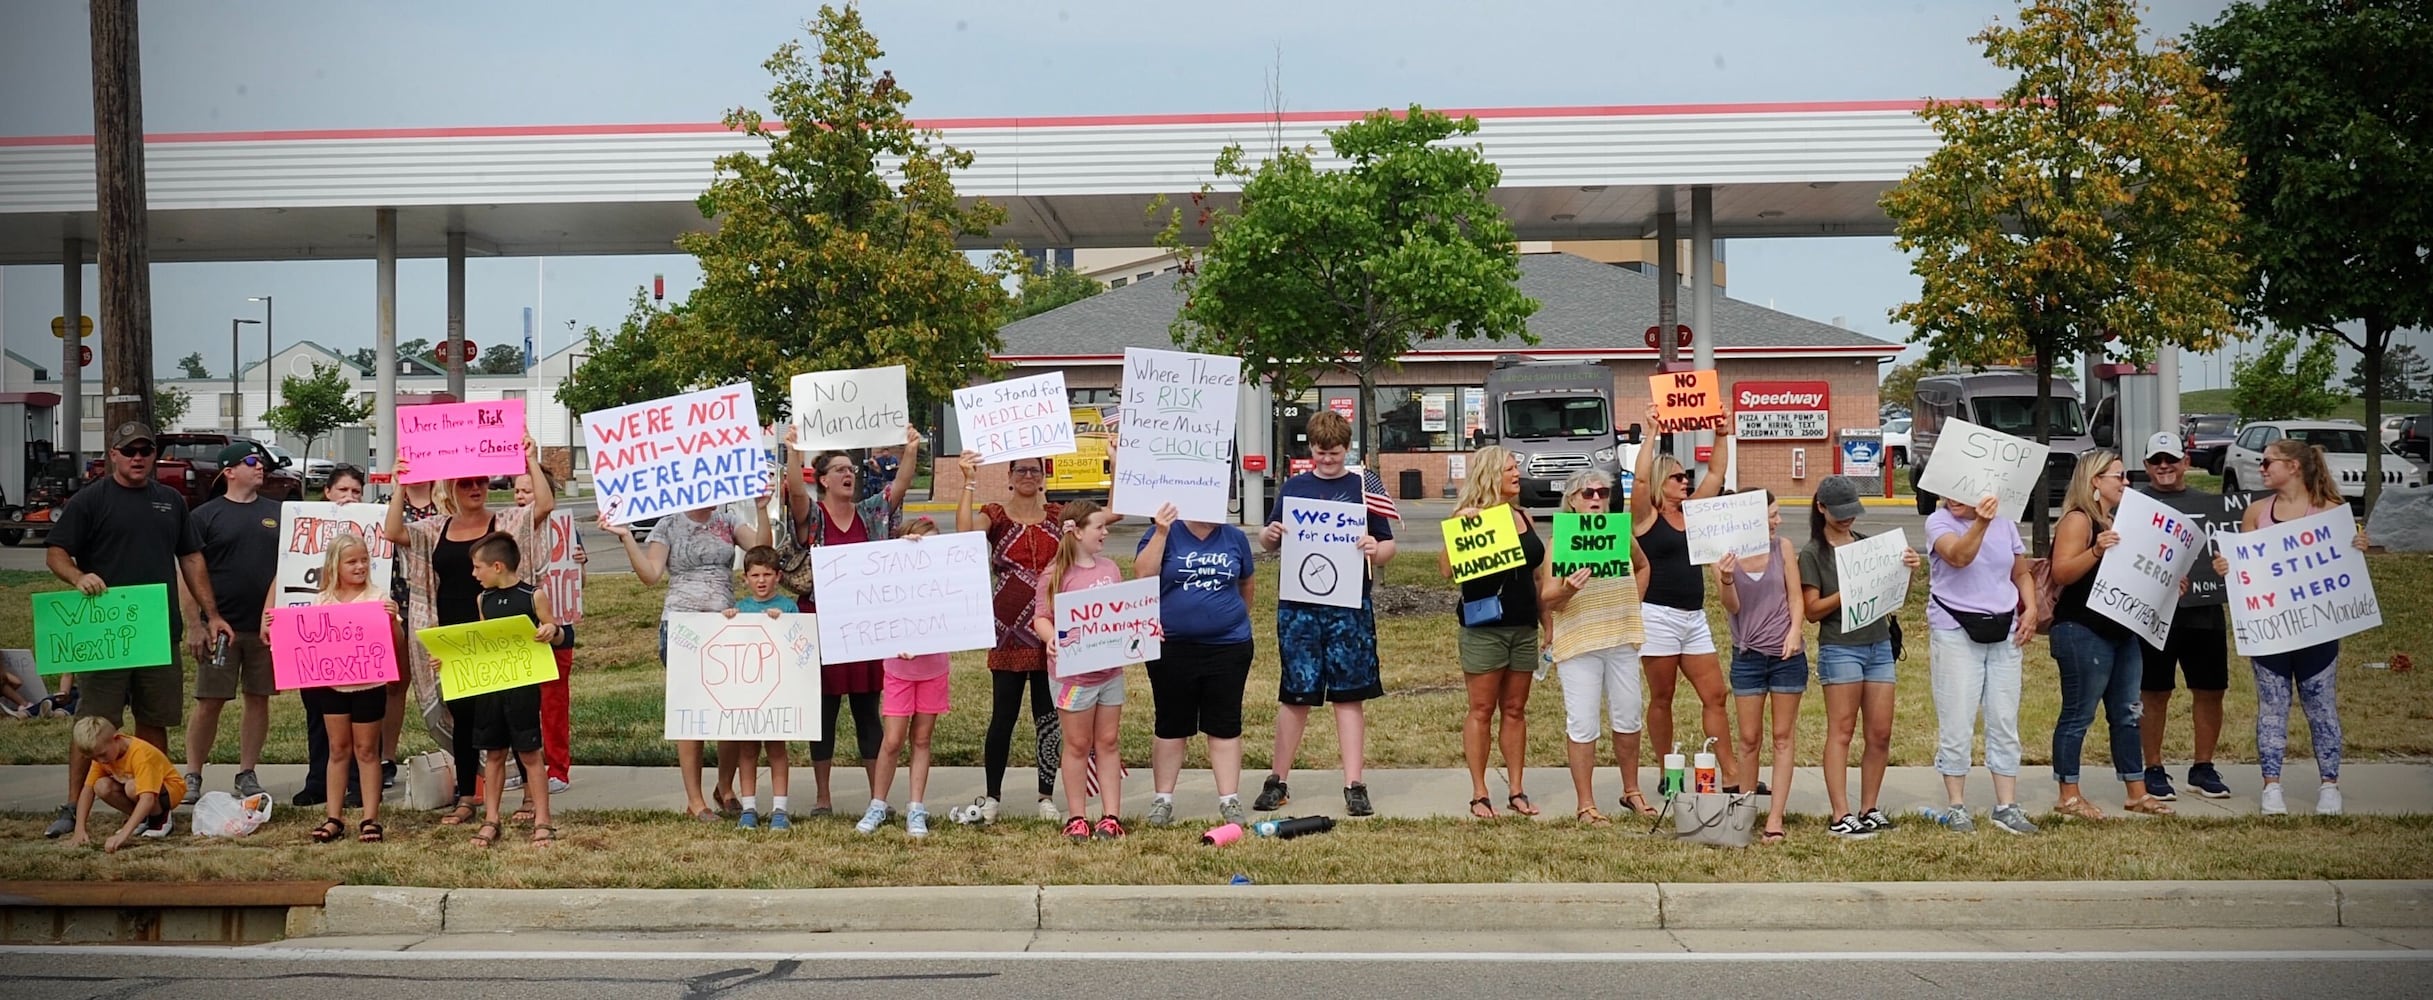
(750, 677)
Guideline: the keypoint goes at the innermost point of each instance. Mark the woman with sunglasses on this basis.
(825, 512)
(2101, 660)
(1022, 536)
(1595, 640)
(1679, 642)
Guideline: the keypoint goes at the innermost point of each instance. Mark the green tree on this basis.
(312, 406)
(2327, 99)
(1350, 269)
(1046, 288)
(2403, 377)
(369, 359)
(2093, 196)
(836, 245)
(1901, 383)
(192, 366)
(501, 359)
(632, 364)
(2272, 385)
(170, 405)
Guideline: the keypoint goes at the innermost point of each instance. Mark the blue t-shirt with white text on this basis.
(1200, 585)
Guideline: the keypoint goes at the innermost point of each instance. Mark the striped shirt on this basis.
(1602, 615)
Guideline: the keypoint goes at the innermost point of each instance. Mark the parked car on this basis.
(2344, 448)
(2209, 435)
(190, 464)
(2414, 437)
(317, 472)
(1896, 440)
(2002, 399)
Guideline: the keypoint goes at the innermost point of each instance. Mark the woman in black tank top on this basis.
(1673, 608)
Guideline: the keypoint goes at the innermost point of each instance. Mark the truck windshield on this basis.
(1556, 416)
(2016, 416)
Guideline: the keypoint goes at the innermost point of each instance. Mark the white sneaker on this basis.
(916, 822)
(161, 830)
(513, 782)
(558, 786)
(2273, 805)
(872, 818)
(1049, 812)
(2327, 801)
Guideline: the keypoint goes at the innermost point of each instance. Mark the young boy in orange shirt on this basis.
(133, 776)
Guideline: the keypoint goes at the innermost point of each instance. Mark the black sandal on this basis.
(1520, 805)
(369, 832)
(329, 830)
(1481, 803)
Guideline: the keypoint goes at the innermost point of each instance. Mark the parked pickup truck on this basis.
(190, 464)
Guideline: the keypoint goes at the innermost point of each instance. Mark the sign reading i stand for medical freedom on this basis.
(1175, 444)
(305, 530)
(1105, 627)
(1735, 523)
(1598, 543)
(332, 645)
(2298, 583)
(907, 595)
(1483, 543)
(1687, 401)
(856, 408)
(485, 656)
(1320, 556)
(750, 677)
(122, 627)
(2138, 582)
(1971, 462)
(679, 453)
(1874, 579)
(439, 441)
(562, 577)
(1017, 418)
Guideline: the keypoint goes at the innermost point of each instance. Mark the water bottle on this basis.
(1545, 663)
(1704, 770)
(1239, 879)
(1222, 835)
(1298, 826)
(1264, 828)
(1930, 814)
(1676, 768)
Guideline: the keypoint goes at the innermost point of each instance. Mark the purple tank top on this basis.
(1765, 607)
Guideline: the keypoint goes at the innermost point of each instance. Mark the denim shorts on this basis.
(1755, 673)
(1852, 664)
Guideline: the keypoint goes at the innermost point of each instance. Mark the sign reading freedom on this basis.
(681, 453)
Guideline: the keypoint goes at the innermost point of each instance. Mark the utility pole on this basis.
(118, 189)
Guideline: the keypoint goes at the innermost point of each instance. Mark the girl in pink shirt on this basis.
(1089, 705)
(912, 696)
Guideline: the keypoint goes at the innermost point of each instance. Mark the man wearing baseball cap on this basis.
(239, 533)
(126, 530)
(2199, 641)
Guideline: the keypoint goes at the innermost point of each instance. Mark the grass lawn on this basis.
(2350, 408)
(618, 695)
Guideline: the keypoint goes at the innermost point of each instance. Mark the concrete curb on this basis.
(388, 910)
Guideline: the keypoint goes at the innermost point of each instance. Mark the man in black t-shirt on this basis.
(2199, 642)
(239, 532)
(126, 530)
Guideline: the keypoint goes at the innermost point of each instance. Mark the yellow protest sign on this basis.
(1483, 544)
(481, 657)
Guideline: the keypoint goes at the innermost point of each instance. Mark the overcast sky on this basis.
(292, 64)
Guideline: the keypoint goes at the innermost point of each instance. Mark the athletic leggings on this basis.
(2316, 695)
(1005, 706)
(866, 731)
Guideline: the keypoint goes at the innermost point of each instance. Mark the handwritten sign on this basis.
(1971, 462)
(1321, 552)
(1483, 544)
(856, 408)
(333, 645)
(1110, 626)
(2138, 582)
(1874, 581)
(562, 578)
(1735, 523)
(305, 529)
(1687, 401)
(1598, 543)
(908, 595)
(485, 656)
(124, 627)
(750, 677)
(2298, 583)
(1175, 444)
(1017, 418)
(680, 453)
(458, 440)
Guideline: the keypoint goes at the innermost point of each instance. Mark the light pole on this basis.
(269, 387)
(236, 374)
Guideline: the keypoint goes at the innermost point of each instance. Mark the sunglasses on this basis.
(251, 461)
(137, 451)
(1596, 492)
(2163, 460)
(1678, 477)
(1030, 472)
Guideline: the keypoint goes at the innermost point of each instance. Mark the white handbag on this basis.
(430, 780)
(1715, 819)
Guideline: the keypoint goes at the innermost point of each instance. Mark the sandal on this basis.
(1480, 808)
(730, 805)
(369, 832)
(1589, 816)
(2150, 806)
(522, 814)
(1637, 803)
(543, 836)
(2077, 808)
(459, 816)
(1520, 804)
(485, 834)
(329, 830)
(1771, 837)
(706, 815)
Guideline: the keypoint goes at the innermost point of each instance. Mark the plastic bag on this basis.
(219, 814)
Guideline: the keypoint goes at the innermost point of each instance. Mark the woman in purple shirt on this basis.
(1980, 612)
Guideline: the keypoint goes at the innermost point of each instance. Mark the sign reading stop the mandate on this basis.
(750, 677)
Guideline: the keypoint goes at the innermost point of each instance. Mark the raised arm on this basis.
(902, 485)
(970, 461)
(394, 527)
(1717, 460)
(1151, 559)
(544, 499)
(1961, 549)
(1643, 496)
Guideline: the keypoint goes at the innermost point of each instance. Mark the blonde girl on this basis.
(1089, 706)
(350, 714)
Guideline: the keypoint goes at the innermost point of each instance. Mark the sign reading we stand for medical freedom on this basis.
(305, 530)
(1874, 578)
(2298, 584)
(1017, 418)
(1111, 626)
(438, 441)
(1483, 543)
(1687, 401)
(1175, 444)
(333, 645)
(680, 453)
(1735, 523)
(1320, 556)
(1971, 462)
(905, 595)
(2138, 582)
(853, 408)
(750, 677)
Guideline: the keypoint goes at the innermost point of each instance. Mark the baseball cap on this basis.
(236, 453)
(1840, 498)
(2165, 443)
(130, 432)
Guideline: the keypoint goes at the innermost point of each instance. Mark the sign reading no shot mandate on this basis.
(1598, 543)
(1175, 444)
(855, 408)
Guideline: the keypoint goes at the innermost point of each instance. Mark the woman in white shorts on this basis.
(1674, 608)
(1595, 636)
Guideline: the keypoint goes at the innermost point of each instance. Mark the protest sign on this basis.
(1874, 581)
(1686, 401)
(1598, 543)
(123, 627)
(1175, 444)
(1972, 462)
(1735, 523)
(1017, 418)
(439, 441)
(562, 578)
(2298, 583)
(1320, 556)
(856, 408)
(485, 656)
(305, 528)
(679, 453)
(333, 645)
(1109, 626)
(2138, 582)
(750, 677)
(909, 595)
(1484, 543)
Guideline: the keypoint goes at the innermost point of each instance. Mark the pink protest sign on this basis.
(455, 440)
(331, 645)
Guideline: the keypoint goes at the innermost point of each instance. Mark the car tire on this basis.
(2230, 481)
(11, 536)
(1926, 501)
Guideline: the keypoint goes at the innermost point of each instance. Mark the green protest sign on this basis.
(1599, 543)
(124, 627)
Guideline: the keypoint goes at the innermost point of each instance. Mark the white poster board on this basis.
(1175, 444)
(2138, 582)
(854, 408)
(1970, 462)
(1735, 523)
(2298, 584)
(667, 456)
(1321, 561)
(750, 677)
(305, 528)
(906, 595)
(562, 577)
(1017, 418)
(1111, 626)
(1873, 578)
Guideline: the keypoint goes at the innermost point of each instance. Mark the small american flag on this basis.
(1372, 492)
